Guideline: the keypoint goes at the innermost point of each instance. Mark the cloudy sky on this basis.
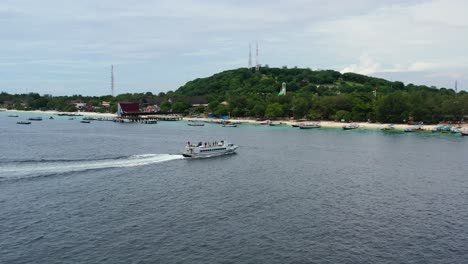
(65, 47)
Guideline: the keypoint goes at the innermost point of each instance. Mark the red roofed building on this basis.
(125, 108)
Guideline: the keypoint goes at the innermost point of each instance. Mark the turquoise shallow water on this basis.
(120, 193)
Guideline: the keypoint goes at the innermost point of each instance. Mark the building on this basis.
(283, 89)
(128, 108)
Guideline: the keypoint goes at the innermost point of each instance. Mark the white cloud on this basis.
(365, 36)
(366, 66)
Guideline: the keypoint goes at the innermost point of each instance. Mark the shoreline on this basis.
(331, 124)
(324, 124)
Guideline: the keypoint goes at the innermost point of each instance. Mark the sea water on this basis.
(107, 192)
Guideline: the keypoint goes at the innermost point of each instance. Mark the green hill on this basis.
(324, 94)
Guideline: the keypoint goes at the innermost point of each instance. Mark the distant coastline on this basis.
(288, 122)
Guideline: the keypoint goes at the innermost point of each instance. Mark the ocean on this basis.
(107, 192)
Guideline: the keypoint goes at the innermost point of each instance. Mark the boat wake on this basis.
(37, 168)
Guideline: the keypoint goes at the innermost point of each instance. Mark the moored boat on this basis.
(266, 122)
(276, 124)
(85, 121)
(350, 126)
(195, 124)
(389, 127)
(464, 133)
(212, 149)
(417, 128)
(23, 123)
(309, 125)
(35, 118)
(12, 115)
(229, 125)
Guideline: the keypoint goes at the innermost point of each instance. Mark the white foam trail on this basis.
(31, 169)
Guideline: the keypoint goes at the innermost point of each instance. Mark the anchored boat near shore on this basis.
(350, 126)
(309, 125)
(206, 150)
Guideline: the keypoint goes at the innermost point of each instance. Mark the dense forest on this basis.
(314, 95)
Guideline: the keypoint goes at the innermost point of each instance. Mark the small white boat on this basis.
(211, 149)
(23, 123)
(266, 122)
(389, 127)
(350, 126)
(276, 124)
(195, 124)
(309, 125)
(417, 128)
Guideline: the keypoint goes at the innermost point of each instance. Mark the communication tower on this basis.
(112, 80)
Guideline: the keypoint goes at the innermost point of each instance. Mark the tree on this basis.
(274, 110)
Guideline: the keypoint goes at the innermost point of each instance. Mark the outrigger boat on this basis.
(206, 150)
(195, 124)
(23, 123)
(389, 127)
(417, 128)
(309, 125)
(350, 126)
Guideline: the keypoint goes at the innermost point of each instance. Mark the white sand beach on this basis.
(330, 124)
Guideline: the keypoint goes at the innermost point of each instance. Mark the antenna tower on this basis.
(112, 80)
(257, 64)
(250, 57)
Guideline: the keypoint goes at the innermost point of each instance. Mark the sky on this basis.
(65, 47)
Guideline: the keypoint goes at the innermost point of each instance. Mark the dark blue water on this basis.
(119, 193)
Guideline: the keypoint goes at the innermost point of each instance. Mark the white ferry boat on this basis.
(209, 149)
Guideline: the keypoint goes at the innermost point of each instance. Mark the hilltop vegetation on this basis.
(325, 95)
(315, 95)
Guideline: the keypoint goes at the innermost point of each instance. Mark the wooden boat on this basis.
(276, 124)
(414, 129)
(35, 118)
(350, 126)
(23, 123)
(229, 125)
(389, 127)
(309, 125)
(12, 115)
(195, 124)
(85, 121)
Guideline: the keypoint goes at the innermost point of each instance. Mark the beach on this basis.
(330, 124)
